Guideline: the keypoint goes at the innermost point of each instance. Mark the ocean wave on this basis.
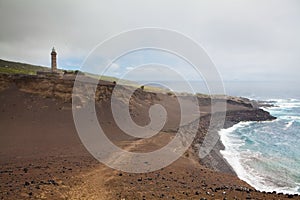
(283, 100)
(284, 103)
(252, 166)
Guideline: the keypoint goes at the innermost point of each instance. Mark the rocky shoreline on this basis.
(43, 158)
(214, 160)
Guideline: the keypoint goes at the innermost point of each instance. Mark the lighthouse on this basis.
(53, 60)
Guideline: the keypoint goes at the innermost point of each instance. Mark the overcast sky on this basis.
(247, 40)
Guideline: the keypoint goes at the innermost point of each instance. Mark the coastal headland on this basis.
(42, 156)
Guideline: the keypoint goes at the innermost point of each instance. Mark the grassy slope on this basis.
(9, 67)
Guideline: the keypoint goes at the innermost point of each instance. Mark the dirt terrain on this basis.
(42, 157)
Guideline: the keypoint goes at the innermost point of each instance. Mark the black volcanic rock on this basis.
(233, 117)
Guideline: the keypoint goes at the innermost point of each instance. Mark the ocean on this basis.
(267, 154)
(264, 154)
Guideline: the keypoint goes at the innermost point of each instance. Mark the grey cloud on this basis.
(246, 39)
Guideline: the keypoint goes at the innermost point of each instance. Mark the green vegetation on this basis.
(155, 89)
(112, 79)
(103, 78)
(170, 93)
(73, 72)
(127, 83)
(146, 88)
(9, 67)
(203, 95)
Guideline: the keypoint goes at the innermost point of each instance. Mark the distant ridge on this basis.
(11, 67)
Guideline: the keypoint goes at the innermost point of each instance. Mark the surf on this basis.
(266, 154)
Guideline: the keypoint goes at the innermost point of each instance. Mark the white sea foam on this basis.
(238, 160)
(289, 105)
(292, 118)
(289, 124)
(248, 164)
(285, 103)
(231, 152)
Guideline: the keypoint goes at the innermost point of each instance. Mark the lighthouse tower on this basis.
(53, 60)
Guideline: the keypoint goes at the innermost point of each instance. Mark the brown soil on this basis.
(42, 157)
